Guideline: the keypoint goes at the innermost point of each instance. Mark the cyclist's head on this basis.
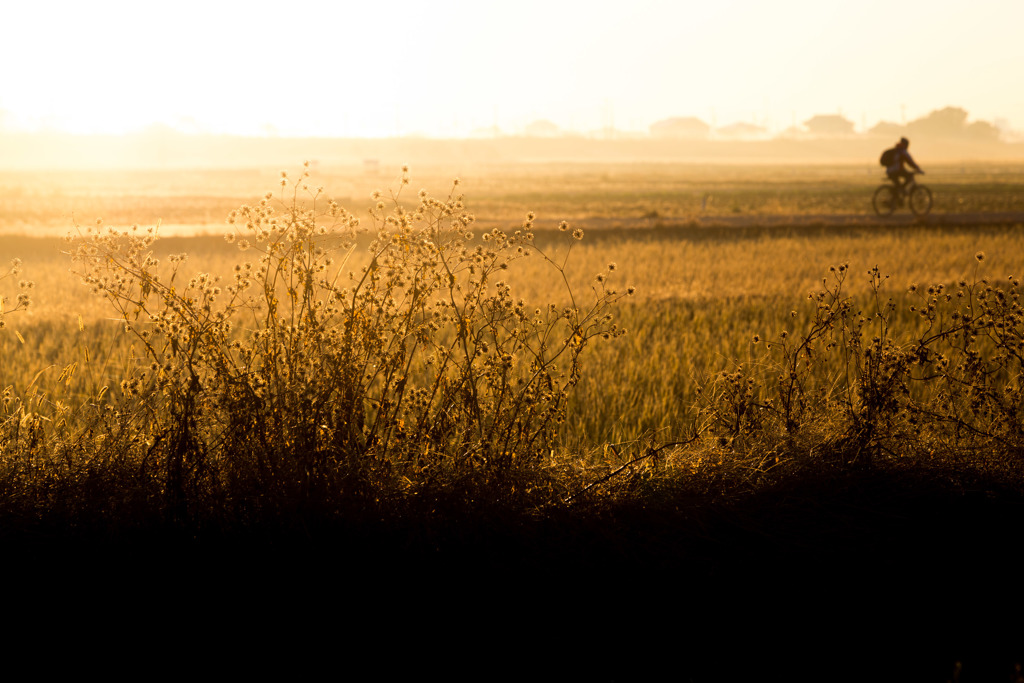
(904, 142)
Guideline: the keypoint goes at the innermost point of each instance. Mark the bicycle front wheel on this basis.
(920, 200)
(884, 200)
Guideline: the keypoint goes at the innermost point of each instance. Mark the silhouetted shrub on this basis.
(312, 368)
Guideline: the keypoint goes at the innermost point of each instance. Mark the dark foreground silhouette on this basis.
(830, 574)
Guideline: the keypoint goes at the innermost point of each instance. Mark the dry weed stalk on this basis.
(304, 367)
(950, 385)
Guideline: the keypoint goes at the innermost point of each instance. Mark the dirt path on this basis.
(869, 220)
(904, 219)
(661, 223)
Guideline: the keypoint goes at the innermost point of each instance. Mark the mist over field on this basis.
(169, 149)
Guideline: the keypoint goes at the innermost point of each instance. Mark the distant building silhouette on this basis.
(829, 125)
(683, 128)
(542, 128)
(887, 129)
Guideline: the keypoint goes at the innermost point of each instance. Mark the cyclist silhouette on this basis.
(896, 169)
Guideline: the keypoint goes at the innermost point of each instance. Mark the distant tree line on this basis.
(947, 123)
(950, 122)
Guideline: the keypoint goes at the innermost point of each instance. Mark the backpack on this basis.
(888, 157)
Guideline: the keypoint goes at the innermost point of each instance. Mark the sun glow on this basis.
(458, 68)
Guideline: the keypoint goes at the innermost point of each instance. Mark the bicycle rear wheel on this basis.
(920, 200)
(884, 200)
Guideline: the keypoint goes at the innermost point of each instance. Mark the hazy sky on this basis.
(447, 67)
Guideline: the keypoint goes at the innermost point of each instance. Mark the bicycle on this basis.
(889, 197)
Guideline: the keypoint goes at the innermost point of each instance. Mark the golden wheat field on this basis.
(702, 289)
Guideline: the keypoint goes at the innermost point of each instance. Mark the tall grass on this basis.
(875, 377)
(310, 370)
